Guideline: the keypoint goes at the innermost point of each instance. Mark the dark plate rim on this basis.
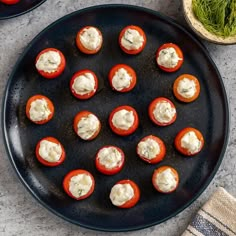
(225, 99)
(23, 12)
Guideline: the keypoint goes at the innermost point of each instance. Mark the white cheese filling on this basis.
(122, 79)
(110, 157)
(50, 151)
(190, 142)
(87, 126)
(186, 88)
(164, 112)
(49, 62)
(168, 58)
(166, 181)
(39, 110)
(84, 84)
(80, 185)
(90, 38)
(123, 119)
(132, 39)
(148, 148)
(121, 193)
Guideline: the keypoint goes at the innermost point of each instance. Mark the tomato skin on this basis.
(87, 95)
(181, 98)
(179, 53)
(60, 68)
(161, 169)
(152, 107)
(80, 45)
(180, 135)
(47, 163)
(101, 168)
(134, 200)
(122, 132)
(72, 173)
(141, 32)
(78, 117)
(50, 106)
(130, 71)
(158, 157)
(9, 2)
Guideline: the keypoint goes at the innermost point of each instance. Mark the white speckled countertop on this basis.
(20, 213)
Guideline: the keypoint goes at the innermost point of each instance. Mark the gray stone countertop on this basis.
(20, 213)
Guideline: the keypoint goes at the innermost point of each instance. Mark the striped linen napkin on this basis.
(217, 217)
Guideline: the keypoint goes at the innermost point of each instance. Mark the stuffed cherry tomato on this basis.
(169, 57)
(151, 149)
(162, 111)
(165, 179)
(10, 2)
(123, 120)
(84, 84)
(79, 184)
(110, 160)
(50, 152)
(89, 40)
(39, 109)
(122, 78)
(186, 88)
(86, 125)
(189, 141)
(50, 63)
(132, 39)
(125, 194)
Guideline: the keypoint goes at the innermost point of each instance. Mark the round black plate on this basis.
(24, 6)
(209, 113)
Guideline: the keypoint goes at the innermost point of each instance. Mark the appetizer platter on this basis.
(110, 134)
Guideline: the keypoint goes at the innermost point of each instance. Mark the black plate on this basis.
(209, 113)
(24, 6)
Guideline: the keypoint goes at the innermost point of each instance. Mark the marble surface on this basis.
(20, 213)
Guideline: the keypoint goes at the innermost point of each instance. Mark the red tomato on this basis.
(141, 32)
(87, 95)
(123, 132)
(60, 69)
(180, 135)
(110, 171)
(81, 47)
(161, 169)
(179, 96)
(49, 105)
(152, 108)
(134, 200)
(45, 162)
(129, 70)
(179, 53)
(159, 157)
(66, 183)
(9, 2)
(81, 115)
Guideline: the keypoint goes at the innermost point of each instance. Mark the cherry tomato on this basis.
(9, 2)
(179, 53)
(110, 171)
(120, 131)
(158, 171)
(60, 69)
(179, 96)
(140, 31)
(66, 183)
(81, 47)
(78, 117)
(45, 162)
(87, 95)
(180, 135)
(160, 156)
(152, 107)
(129, 70)
(50, 106)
